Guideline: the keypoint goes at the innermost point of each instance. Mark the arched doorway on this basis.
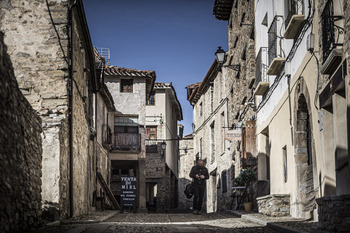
(304, 159)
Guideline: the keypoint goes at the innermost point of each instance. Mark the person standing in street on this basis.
(199, 174)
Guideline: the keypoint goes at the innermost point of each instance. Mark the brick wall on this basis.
(20, 154)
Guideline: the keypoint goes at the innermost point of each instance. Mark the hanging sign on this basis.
(233, 135)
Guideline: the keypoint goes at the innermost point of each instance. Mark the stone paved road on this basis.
(157, 223)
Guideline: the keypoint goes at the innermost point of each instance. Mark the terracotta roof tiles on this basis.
(127, 72)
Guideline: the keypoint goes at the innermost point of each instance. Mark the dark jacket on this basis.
(200, 171)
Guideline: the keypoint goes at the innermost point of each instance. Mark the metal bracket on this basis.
(234, 67)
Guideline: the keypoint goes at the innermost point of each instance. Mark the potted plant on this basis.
(245, 178)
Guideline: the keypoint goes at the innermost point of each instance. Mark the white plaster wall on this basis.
(162, 115)
(129, 103)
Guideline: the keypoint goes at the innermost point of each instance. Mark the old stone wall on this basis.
(240, 88)
(334, 213)
(186, 161)
(274, 205)
(20, 154)
(41, 73)
(38, 49)
(241, 52)
(156, 171)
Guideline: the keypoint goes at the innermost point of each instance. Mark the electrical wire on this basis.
(58, 36)
(61, 46)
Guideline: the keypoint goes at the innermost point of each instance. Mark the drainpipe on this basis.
(290, 109)
(70, 107)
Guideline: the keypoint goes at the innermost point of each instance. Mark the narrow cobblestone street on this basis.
(175, 222)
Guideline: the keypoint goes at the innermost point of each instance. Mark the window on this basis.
(212, 97)
(222, 131)
(235, 43)
(126, 133)
(224, 181)
(200, 109)
(242, 19)
(243, 55)
(293, 7)
(212, 143)
(272, 37)
(332, 29)
(284, 150)
(126, 125)
(151, 100)
(126, 85)
(151, 132)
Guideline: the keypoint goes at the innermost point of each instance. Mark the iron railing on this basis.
(331, 33)
(294, 7)
(106, 134)
(261, 66)
(272, 34)
(126, 142)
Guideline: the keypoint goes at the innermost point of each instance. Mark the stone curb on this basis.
(271, 225)
(89, 221)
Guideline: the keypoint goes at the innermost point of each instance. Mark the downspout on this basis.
(290, 109)
(70, 107)
(95, 152)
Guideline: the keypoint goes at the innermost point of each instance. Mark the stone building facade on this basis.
(186, 161)
(104, 110)
(20, 154)
(238, 71)
(239, 75)
(163, 111)
(37, 38)
(333, 39)
(130, 90)
(210, 120)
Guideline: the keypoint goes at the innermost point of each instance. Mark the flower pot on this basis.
(247, 206)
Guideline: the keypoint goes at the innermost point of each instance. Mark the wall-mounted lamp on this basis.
(220, 58)
(163, 147)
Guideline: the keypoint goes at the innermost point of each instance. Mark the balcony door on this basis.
(126, 133)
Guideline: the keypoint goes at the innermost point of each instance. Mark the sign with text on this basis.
(233, 135)
(128, 191)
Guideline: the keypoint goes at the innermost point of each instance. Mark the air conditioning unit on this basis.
(310, 42)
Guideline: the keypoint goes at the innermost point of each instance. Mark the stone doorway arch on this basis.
(305, 159)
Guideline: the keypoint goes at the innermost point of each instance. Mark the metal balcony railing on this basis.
(331, 32)
(272, 36)
(261, 66)
(294, 7)
(126, 142)
(106, 134)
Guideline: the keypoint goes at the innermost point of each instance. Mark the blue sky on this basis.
(175, 38)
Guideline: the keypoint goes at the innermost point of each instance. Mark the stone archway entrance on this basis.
(304, 159)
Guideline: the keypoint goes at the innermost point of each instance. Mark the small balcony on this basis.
(276, 65)
(332, 38)
(106, 136)
(261, 79)
(276, 54)
(295, 19)
(126, 142)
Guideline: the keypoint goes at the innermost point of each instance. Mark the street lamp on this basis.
(220, 58)
(163, 147)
